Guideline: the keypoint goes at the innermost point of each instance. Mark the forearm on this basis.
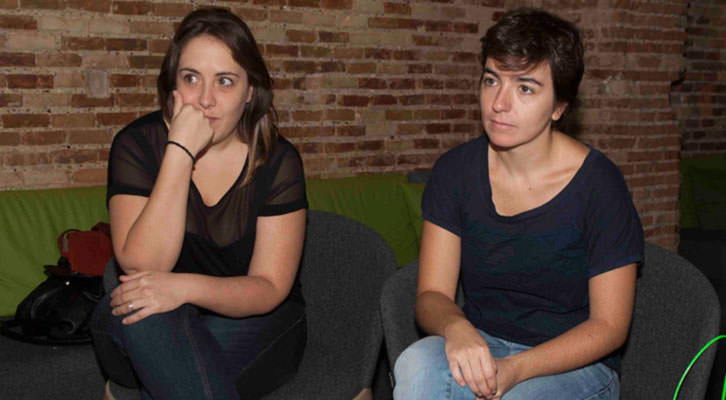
(578, 347)
(435, 313)
(235, 297)
(154, 239)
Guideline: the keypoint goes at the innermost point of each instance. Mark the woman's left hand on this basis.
(507, 376)
(146, 293)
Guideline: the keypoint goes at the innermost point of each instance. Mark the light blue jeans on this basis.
(422, 372)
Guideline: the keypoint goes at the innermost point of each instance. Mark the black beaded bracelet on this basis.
(194, 160)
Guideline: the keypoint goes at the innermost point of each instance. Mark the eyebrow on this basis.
(217, 74)
(519, 78)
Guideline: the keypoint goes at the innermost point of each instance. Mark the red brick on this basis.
(29, 81)
(18, 22)
(126, 44)
(281, 50)
(73, 120)
(102, 6)
(10, 100)
(119, 118)
(121, 80)
(354, 101)
(131, 7)
(361, 68)
(306, 131)
(145, 62)
(59, 60)
(437, 128)
(419, 68)
(315, 52)
(307, 115)
(19, 159)
(333, 37)
(347, 52)
(44, 137)
(439, 26)
(25, 120)
(17, 60)
(81, 100)
(426, 143)
(409, 129)
(399, 115)
(369, 145)
(135, 99)
(304, 3)
(396, 8)
(300, 66)
(401, 84)
(340, 115)
(95, 136)
(350, 130)
(384, 100)
(43, 4)
(82, 43)
(372, 83)
(380, 54)
(172, 9)
(95, 176)
(337, 4)
(300, 36)
(9, 138)
(412, 100)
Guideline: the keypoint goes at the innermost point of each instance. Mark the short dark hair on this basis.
(525, 37)
(256, 126)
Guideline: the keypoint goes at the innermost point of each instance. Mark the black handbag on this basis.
(58, 310)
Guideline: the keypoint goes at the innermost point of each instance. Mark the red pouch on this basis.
(87, 252)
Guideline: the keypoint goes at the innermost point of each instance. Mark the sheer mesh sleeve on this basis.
(133, 161)
(287, 184)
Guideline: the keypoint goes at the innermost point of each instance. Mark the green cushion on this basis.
(413, 192)
(30, 222)
(696, 183)
(375, 201)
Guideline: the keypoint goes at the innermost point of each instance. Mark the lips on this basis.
(500, 124)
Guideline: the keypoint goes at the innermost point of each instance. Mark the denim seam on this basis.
(197, 357)
(277, 339)
(604, 391)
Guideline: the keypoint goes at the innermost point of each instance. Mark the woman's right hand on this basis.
(189, 127)
(470, 361)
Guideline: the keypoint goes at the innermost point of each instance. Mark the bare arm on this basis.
(611, 307)
(468, 354)
(147, 233)
(274, 264)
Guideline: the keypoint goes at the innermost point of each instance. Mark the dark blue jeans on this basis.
(188, 353)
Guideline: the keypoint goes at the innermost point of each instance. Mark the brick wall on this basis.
(700, 97)
(362, 86)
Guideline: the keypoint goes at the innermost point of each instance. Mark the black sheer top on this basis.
(219, 239)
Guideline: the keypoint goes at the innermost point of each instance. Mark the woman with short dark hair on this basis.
(207, 207)
(538, 228)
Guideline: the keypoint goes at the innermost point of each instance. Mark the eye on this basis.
(190, 78)
(526, 89)
(489, 81)
(225, 81)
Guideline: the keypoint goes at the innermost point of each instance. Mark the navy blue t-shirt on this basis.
(525, 277)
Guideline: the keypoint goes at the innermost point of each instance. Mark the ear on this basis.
(559, 110)
(250, 94)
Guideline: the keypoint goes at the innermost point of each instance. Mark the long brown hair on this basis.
(256, 127)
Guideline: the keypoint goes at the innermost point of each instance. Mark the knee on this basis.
(422, 364)
(155, 327)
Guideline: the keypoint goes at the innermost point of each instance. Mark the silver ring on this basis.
(131, 305)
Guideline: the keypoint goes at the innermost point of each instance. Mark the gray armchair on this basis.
(676, 313)
(344, 265)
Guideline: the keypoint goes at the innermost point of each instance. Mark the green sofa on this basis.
(31, 220)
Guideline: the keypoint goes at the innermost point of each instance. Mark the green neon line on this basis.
(683, 378)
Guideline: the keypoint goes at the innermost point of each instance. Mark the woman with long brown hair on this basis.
(207, 207)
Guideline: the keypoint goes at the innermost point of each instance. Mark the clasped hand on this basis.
(146, 293)
(189, 127)
(472, 364)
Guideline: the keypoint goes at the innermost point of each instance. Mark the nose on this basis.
(206, 97)
(502, 100)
